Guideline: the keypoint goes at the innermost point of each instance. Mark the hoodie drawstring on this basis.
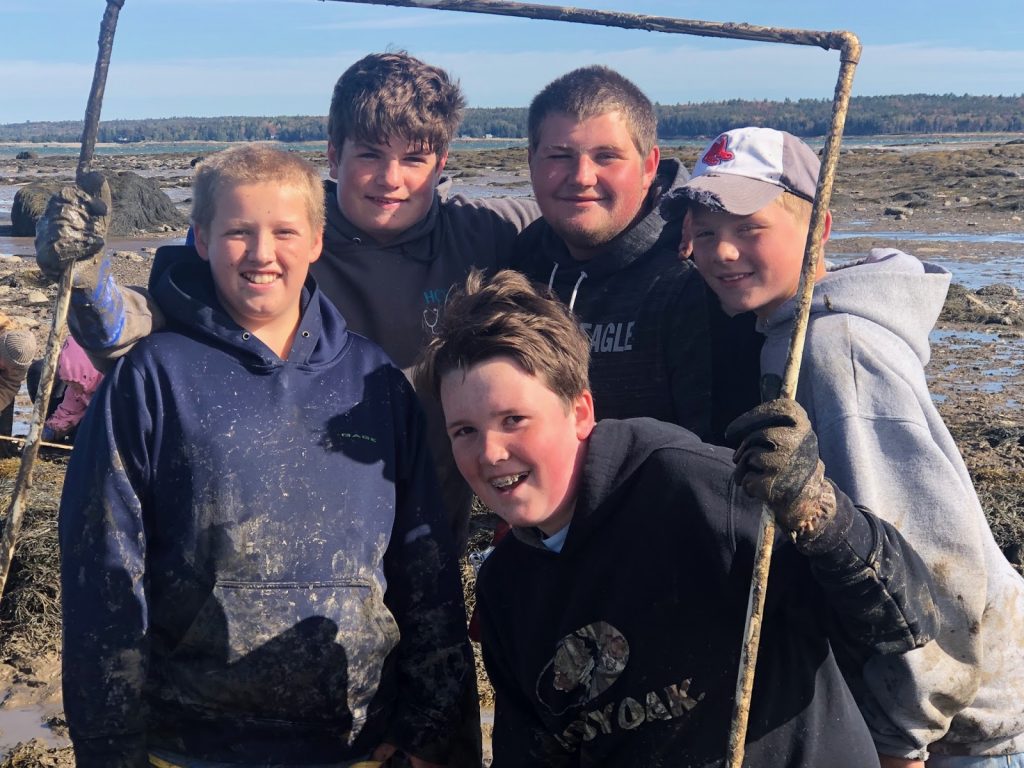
(575, 289)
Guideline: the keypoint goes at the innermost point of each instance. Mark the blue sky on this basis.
(271, 57)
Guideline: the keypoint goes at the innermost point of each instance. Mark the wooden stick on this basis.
(23, 482)
(826, 40)
(42, 443)
(766, 532)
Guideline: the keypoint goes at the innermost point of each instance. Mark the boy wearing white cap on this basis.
(959, 699)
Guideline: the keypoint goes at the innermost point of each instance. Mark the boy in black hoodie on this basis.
(612, 618)
(255, 564)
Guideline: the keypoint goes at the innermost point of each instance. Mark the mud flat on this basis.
(961, 208)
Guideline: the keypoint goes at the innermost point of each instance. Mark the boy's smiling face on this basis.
(589, 179)
(260, 244)
(384, 189)
(517, 443)
(753, 262)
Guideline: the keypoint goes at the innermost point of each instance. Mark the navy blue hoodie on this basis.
(255, 563)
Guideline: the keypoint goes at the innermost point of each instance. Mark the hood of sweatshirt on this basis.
(616, 449)
(415, 242)
(889, 288)
(185, 291)
(632, 243)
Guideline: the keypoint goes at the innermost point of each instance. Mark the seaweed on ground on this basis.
(1001, 492)
(30, 608)
(36, 754)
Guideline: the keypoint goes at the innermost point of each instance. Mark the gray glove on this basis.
(72, 230)
(777, 462)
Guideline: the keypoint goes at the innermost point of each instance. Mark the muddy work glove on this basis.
(73, 227)
(777, 462)
(71, 230)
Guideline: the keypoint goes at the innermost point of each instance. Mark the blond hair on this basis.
(255, 164)
(797, 206)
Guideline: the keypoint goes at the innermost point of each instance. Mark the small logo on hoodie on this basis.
(434, 300)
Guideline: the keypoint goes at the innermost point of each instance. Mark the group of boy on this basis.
(257, 567)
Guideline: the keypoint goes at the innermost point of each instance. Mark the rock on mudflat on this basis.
(29, 203)
(899, 211)
(997, 304)
(140, 206)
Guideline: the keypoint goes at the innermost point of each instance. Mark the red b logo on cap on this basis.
(718, 153)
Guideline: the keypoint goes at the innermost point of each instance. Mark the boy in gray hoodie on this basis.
(958, 701)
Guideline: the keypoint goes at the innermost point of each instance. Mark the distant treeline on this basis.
(868, 115)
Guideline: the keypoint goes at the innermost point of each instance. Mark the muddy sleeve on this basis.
(875, 583)
(107, 319)
(424, 594)
(103, 581)
(895, 467)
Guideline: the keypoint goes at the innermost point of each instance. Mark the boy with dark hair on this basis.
(255, 565)
(394, 242)
(863, 385)
(607, 245)
(613, 616)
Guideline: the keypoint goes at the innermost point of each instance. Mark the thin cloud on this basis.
(45, 90)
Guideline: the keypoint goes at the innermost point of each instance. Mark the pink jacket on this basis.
(75, 370)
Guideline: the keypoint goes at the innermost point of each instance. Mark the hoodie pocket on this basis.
(292, 651)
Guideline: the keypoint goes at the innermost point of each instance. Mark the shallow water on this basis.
(932, 237)
(996, 361)
(21, 725)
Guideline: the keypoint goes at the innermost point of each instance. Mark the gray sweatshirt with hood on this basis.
(883, 442)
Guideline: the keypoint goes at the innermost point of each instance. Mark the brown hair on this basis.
(253, 164)
(394, 95)
(591, 91)
(507, 315)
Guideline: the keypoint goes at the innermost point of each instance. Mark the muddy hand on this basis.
(777, 462)
(73, 226)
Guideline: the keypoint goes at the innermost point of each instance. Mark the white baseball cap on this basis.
(744, 169)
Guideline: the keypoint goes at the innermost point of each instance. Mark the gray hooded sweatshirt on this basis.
(883, 442)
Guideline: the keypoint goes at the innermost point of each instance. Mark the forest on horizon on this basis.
(868, 115)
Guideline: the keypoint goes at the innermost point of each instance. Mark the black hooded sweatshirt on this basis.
(622, 649)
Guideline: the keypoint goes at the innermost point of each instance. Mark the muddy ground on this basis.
(915, 197)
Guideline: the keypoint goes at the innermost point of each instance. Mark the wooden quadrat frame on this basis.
(850, 49)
